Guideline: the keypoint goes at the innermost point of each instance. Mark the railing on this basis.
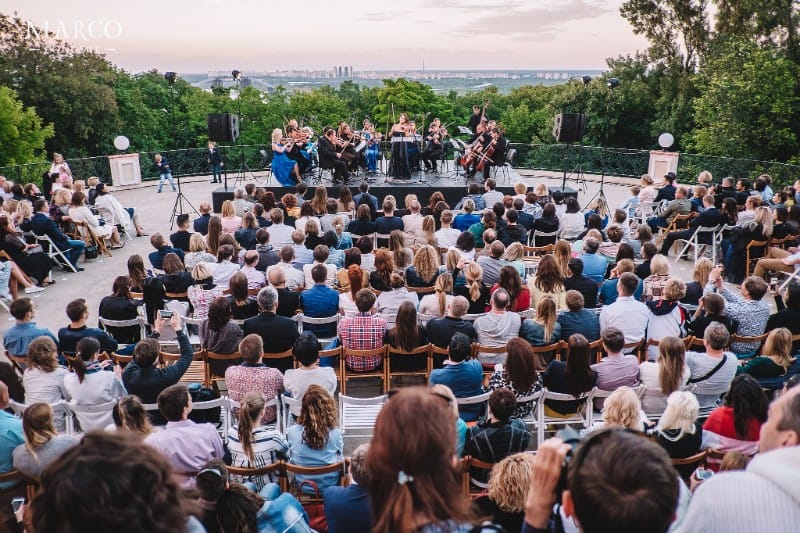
(634, 163)
(550, 157)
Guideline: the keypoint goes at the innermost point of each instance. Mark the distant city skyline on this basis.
(196, 36)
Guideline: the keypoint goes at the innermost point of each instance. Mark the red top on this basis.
(523, 299)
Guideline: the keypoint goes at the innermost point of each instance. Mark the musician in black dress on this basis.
(292, 132)
(433, 147)
(330, 158)
(413, 147)
(398, 164)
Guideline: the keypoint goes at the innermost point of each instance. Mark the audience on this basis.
(626, 313)
(585, 285)
(43, 445)
(616, 369)
(43, 379)
(713, 370)
(678, 431)
(462, 375)
(347, 509)
(441, 329)
(186, 445)
(518, 375)
(576, 319)
(497, 327)
(309, 372)
(749, 310)
(278, 333)
(17, 338)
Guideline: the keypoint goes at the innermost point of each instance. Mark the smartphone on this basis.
(166, 314)
(16, 503)
(702, 474)
(773, 283)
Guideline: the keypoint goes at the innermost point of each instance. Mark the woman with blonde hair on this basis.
(548, 281)
(230, 222)
(648, 193)
(758, 229)
(436, 304)
(776, 358)
(520, 190)
(509, 481)
(253, 445)
(513, 257)
(678, 430)
(655, 282)
(320, 200)
(316, 440)
(285, 170)
(562, 253)
(129, 415)
(425, 269)
(79, 212)
(476, 293)
(429, 230)
(403, 255)
(197, 252)
(453, 264)
(694, 289)
(542, 193)
(43, 444)
(43, 378)
(669, 373)
(621, 409)
(204, 291)
(544, 328)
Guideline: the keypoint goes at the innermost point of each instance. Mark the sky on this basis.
(261, 35)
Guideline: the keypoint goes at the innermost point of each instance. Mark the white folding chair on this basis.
(84, 413)
(582, 418)
(473, 400)
(599, 393)
(793, 275)
(54, 252)
(357, 415)
(138, 321)
(537, 233)
(287, 403)
(58, 407)
(303, 320)
(694, 242)
(229, 406)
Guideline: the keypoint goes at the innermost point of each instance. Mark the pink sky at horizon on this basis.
(203, 35)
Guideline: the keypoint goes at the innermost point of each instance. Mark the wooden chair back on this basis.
(421, 356)
(379, 372)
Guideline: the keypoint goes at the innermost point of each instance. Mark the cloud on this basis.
(532, 23)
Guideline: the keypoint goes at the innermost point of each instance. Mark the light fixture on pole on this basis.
(665, 140)
(240, 176)
(180, 199)
(586, 79)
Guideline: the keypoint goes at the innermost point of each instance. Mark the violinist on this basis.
(398, 164)
(346, 143)
(298, 143)
(412, 138)
(433, 147)
(330, 157)
(373, 147)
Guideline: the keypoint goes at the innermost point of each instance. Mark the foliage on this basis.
(22, 135)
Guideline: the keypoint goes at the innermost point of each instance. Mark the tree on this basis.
(678, 30)
(772, 22)
(747, 104)
(22, 135)
(415, 99)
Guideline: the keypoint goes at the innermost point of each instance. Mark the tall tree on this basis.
(22, 134)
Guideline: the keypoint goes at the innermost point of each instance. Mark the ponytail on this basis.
(249, 412)
(85, 350)
(474, 290)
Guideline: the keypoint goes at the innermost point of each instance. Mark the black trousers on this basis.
(340, 171)
(430, 156)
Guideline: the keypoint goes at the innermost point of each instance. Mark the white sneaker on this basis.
(34, 289)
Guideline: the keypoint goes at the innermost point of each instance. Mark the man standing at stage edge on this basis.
(215, 160)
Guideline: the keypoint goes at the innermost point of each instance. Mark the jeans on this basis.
(216, 171)
(165, 177)
(76, 250)
(280, 512)
(657, 222)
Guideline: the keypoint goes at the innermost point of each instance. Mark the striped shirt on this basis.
(362, 332)
(268, 447)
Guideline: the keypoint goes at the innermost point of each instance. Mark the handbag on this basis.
(316, 510)
(90, 252)
(35, 250)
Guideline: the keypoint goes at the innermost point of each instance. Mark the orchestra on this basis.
(344, 150)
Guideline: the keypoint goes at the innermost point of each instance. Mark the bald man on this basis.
(288, 301)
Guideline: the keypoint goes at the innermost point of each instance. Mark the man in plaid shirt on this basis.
(363, 332)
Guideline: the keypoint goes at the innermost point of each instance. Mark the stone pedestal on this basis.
(660, 163)
(125, 169)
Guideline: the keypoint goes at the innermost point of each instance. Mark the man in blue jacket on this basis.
(42, 224)
(465, 378)
(348, 509)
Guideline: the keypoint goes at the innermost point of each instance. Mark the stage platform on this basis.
(452, 186)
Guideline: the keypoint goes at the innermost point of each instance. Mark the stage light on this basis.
(170, 77)
(613, 83)
(236, 75)
(586, 80)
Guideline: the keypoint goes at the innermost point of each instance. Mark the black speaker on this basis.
(569, 127)
(223, 127)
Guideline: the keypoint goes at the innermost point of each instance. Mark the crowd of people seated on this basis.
(590, 313)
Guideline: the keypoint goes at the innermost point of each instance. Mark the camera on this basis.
(572, 438)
